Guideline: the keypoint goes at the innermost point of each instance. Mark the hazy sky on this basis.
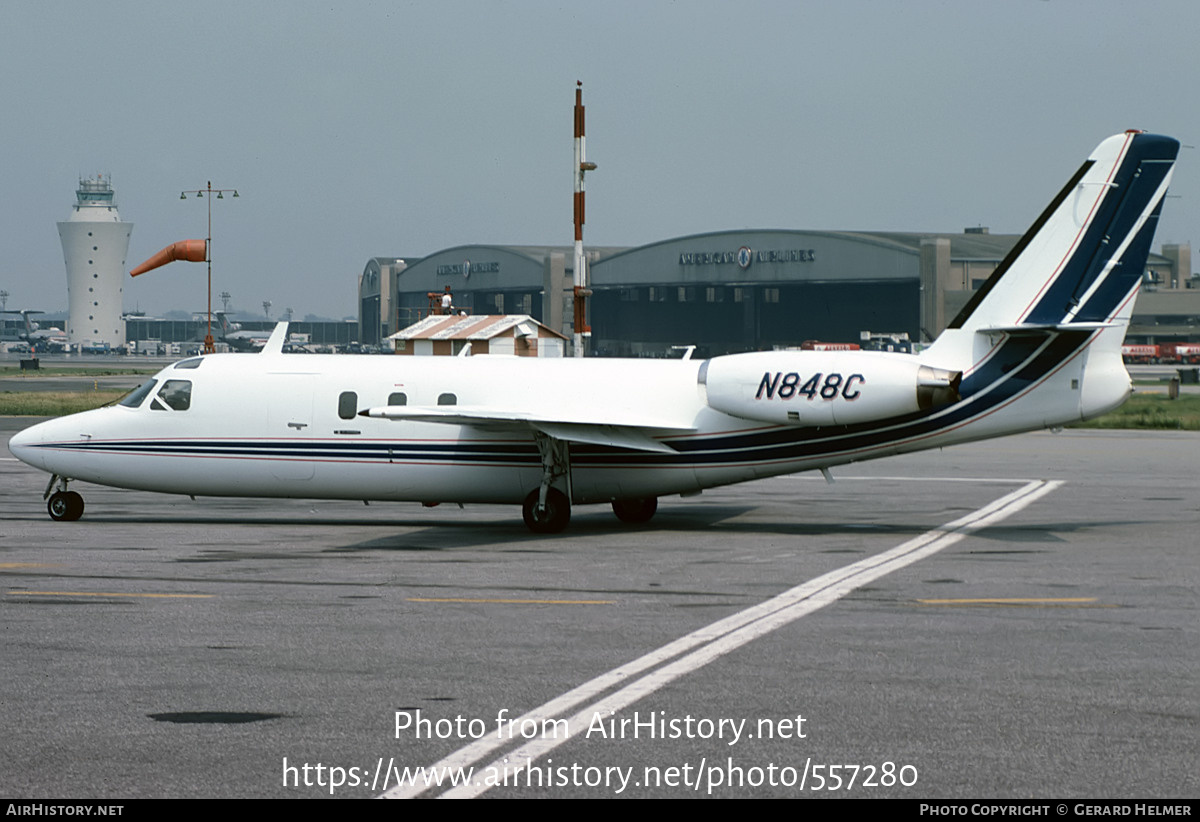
(361, 129)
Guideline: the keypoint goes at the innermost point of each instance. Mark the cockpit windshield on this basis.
(134, 398)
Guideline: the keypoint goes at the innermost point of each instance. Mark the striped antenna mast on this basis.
(581, 290)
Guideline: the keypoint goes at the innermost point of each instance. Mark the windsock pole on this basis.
(194, 251)
(209, 347)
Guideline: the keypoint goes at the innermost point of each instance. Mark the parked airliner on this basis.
(1038, 345)
(40, 339)
(233, 334)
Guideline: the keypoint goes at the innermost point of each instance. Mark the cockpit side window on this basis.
(175, 394)
(134, 398)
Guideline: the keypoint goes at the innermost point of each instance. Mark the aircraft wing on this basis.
(630, 431)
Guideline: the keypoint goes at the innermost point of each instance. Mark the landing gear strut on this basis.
(62, 505)
(548, 510)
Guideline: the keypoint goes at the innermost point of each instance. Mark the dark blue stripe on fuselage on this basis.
(281, 449)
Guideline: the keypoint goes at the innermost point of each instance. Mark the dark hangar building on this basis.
(724, 291)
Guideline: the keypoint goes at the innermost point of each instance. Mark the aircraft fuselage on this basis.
(290, 426)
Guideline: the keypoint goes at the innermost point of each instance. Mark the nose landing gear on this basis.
(65, 506)
(62, 505)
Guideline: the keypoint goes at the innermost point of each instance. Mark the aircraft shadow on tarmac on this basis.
(721, 519)
(451, 532)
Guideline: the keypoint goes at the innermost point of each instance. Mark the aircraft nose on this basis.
(24, 446)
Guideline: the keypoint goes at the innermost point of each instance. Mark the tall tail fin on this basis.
(1080, 263)
(1051, 318)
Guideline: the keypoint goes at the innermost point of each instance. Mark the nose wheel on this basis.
(65, 506)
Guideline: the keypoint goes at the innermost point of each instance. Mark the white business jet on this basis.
(1039, 345)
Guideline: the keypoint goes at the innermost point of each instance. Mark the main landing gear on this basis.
(547, 510)
(62, 505)
(549, 518)
(553, 517)
(635, 511)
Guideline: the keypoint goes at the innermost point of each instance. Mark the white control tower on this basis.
(95, 243)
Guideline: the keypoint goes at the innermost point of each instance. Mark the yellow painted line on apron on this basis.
(1019, 601)
(517, 601)
(105, 594)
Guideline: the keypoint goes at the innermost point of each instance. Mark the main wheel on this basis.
(551, 519)
(65, 506)
(635, 510)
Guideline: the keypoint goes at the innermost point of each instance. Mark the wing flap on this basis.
(612, 435)
(630, 431)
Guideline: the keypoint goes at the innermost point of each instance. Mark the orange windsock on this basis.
(191, 250)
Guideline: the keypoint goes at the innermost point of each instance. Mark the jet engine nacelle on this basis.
(824, 387)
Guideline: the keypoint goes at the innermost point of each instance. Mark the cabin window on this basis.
(347, 405)
(447, 399)
(398, 398)
(175, 394)
(134, 398)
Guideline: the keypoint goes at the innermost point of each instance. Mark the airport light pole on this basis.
(209, 347)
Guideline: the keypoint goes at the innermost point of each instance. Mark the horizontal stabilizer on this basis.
(1040, 329)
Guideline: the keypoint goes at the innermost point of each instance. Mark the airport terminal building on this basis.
(738, 290)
